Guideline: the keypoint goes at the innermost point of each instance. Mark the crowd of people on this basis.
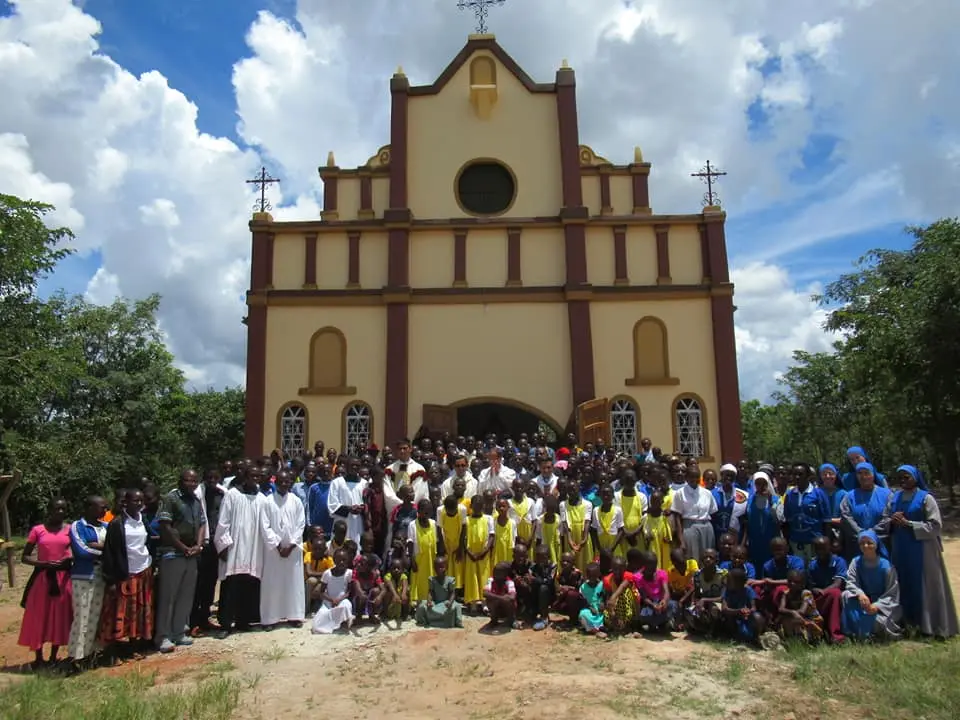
(521, 532)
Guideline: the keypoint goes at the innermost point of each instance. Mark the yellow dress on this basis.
(524, 526)
(681, 582)
(425, 552)
(576, 517)
(632, 506)
(550, 536)
(660, 545)
(607, 533)
(504, 538)
(667, 501)
(475, 573)
(451, 528)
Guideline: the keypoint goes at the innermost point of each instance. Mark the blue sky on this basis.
(829, 150)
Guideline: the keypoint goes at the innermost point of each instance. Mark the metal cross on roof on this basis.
(707, 174)
(263, 179)
(481, 8)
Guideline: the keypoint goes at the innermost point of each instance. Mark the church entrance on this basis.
(479, 417)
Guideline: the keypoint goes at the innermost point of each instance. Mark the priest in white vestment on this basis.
(239, 542)
(404, 471)
(498, 477)
(282, 522)
(461, 471)
(346, 498)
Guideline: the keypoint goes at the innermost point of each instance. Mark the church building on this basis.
(485, 271)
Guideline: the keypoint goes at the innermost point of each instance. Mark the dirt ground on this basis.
(469, 675)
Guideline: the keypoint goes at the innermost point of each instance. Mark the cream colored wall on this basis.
(374, 264)
(542, 260)
(601, 267)
(445, 133)
(431, 258)
(641, 255)
(348, 197)
(686, 258)
(380, 194)
(690, 341)
(289, 330)
(590, 185)
(289, 261)
(535, 371)
(333, 261)
(621, 194)
(487, 258)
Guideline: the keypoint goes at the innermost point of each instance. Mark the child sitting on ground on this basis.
(396, 587)
(657, 610)
(591, 617)
(316, 562)
(542, 573)
(708, 583)
(367, 589)
(680, 579)
(568, 601)
(523, 583)
(798, 615)
(738, 609)
(501, 596)
(336, 609)
(441, 608)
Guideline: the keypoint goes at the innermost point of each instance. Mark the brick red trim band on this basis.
(513, 257)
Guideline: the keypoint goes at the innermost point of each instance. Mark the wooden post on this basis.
(9, 484)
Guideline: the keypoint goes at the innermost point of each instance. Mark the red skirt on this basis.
(48, 610)
(128, 609)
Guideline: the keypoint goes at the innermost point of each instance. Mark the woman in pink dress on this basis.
(47, 598)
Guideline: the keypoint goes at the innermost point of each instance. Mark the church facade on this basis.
(485, 271)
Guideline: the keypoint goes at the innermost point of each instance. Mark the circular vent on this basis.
(485, 188)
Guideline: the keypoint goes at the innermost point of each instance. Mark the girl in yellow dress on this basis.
(548, 528)
(452, 521)
(575, 517)
(479, 543)
(657, 537)
(633, 503)
(606, 526)
(422, 550)
(521, 512)
(504, 534)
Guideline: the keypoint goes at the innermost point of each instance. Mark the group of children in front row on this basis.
(479, 564)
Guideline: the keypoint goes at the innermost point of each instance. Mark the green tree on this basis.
(211, 424)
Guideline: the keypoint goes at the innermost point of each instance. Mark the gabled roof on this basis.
(490, 44)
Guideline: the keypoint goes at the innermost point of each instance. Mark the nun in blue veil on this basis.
(871, 597)
(864, 508)
(917, 556)
(855, 456)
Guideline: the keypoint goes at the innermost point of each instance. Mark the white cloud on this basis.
(166, 207)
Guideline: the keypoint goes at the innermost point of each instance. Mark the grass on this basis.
(908, 679)
(274, 654)
(131, 697)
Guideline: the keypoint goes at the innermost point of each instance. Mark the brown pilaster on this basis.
(366, 197)
(353, 260)
(606, 207)
(514, 278)
(713, 220)
(459, 258)
(728, 386)
(330, 176)
(261, 277)
(620, 255)
(574, 214)
(663, 254)
(640, 174)
(704, 253)
(310, 261)
(398, 273)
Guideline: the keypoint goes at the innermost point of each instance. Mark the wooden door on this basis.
(439, 419)
(593, 421)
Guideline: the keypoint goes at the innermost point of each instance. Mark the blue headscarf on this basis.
(829, 466)
(915, 473)
(881, 548)
(857, 450)
(865, 466)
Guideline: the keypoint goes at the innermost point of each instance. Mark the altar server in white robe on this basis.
(461, 471)
(282, 523)
(404, 471)
(346, 498)
(239, 543)
(498, 477)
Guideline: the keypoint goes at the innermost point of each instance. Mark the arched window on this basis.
(293, 430)
(623, 426)
(357, 428)
(690, 434)
(651, 354)
(328, 364)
